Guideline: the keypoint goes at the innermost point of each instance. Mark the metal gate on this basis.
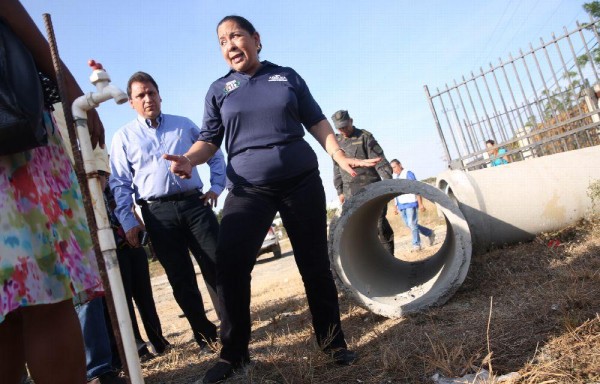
(540, 102)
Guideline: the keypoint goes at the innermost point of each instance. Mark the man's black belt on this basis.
(174, 197)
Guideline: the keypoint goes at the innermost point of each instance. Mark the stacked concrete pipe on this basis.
(484, 208)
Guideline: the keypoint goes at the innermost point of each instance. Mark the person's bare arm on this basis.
(199, 153)
(323, 133)
(420, 203)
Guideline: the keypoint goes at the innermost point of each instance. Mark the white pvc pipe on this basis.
(105, 234)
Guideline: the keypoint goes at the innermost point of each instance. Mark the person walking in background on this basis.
(46, 252)
(361, 144)
(259, 109)
(407, 205)
(177, 215)
(497, 155)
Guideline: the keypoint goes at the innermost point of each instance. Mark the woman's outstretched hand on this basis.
(180, 165)
(349, 163)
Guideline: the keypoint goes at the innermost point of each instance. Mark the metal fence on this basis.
(540, 102)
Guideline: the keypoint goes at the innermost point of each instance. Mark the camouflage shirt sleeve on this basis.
(384, 169)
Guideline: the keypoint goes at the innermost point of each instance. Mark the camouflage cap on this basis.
(341, 119)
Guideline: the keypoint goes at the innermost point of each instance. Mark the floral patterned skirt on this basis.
(46, 253)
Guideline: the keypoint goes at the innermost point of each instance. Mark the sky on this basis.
(372, 58)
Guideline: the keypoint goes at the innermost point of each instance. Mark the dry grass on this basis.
(529, 308)
(573, 357)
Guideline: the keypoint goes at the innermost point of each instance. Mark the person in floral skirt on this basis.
(46, 255)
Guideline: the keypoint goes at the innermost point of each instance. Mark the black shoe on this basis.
(206, 345)
(147, 357)
(145, 354)
(344, 356)
(218, 373)
(110, 377)
(163, 348)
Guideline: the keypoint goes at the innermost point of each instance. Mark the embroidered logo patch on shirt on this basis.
(277, 78)
(230, 86)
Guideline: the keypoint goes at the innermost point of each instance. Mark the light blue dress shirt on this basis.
(138, 169)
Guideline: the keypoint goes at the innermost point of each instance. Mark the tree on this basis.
(593, 9)
(562, 99)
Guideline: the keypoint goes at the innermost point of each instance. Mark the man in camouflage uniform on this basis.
(361, 144)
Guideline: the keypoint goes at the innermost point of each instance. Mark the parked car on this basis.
(271, 243)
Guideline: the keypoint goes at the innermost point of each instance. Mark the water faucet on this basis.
(105, 91)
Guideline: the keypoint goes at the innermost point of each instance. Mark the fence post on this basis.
(438, 126)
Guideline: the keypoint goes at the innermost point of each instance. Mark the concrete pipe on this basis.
(502, 205)
(515, 202)
(386, 285)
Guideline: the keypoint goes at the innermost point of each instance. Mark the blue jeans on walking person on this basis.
(411, 219)
(98, 356)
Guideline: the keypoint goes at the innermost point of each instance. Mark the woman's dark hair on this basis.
(243, 23)
(492, 142)
(140, 77)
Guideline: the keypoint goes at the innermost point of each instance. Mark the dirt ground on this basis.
(530, 308)
(276, 275)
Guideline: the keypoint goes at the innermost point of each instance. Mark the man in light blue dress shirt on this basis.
(177, 214)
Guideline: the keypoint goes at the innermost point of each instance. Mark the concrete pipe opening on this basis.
(387, 285)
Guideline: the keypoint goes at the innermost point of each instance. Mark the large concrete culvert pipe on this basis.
(386, 285)
(484, 208)
(515, 202)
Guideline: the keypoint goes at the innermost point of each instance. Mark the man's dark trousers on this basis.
(386, 233)
(175, 228)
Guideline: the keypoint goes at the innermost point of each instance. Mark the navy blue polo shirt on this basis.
(261, 117)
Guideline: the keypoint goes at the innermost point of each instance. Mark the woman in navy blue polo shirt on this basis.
(259, 110)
